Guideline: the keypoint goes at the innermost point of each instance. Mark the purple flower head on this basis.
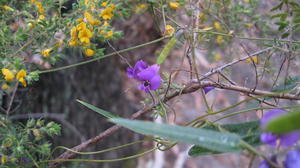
(150, 78)
(208, 89)
(138, 67)
(292, 159)
(287, 139)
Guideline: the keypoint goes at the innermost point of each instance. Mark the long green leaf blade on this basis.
(98, 110)
(284, 124)
(248, 131)
(213, 140)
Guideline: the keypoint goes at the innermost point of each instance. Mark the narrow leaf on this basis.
(248, 131)
(98, 110)
(213, 140)
(166, 51)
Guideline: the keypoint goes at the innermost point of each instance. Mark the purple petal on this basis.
(140, 65)
(271, 114)
(292, 159)
(155, 68)
(146, 74)
(155, 82)
(208, 88)
(290, 139)
(268, 138)
(130, 72)
(264, 164)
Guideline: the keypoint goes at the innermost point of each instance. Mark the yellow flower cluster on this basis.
(107, 13)
(10, 76)
(40, 9)
(82, 33)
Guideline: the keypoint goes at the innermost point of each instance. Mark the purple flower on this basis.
(147, 75)
(287, 139)
(150, 78)
(138, 67)
(208, 89)
(292, 159)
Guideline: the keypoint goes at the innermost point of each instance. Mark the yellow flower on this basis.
(41, 10)
(104, 4)
(254, 59)
(4, 159)
(84, 36)
(32, 1)
(21, 74)
(81, 26)
(42, 17)
(219, 39)
(169, 30)
(112, 6)
(73, 42)
(174, 5)
(109, 34)
(246, 1)
(218, 26)
(8, 75)
(140, 8)
(46, 52)
(107, 14)
(90, 19)
(89, 52)
(218, 57)
(23, 81)
(4, 86)
(38, 4)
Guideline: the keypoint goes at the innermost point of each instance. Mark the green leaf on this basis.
(248, 131)
(100, 111)
(166, 51)
(284, 124)
(213, 140)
